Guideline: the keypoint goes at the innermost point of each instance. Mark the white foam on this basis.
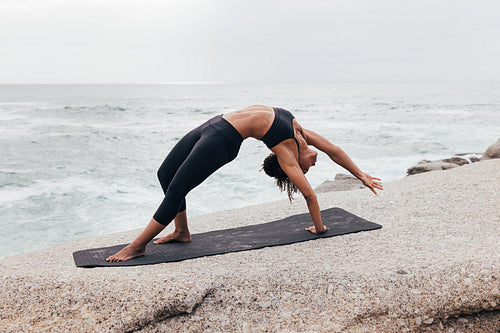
(40, 188)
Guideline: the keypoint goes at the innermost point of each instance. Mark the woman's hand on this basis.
(314, 231)
(371, 183)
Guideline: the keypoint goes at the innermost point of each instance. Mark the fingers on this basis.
(314, 231)
(375, 186)
(372, 185)
(311, 229)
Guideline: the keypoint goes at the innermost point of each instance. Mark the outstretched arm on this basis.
(337, 155)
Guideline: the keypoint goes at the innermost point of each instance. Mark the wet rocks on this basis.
(492, 152)
(444, 164)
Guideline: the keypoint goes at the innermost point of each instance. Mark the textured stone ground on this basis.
(434, 263)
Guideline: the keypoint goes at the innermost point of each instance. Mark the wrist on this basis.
(320, 228)
(358, 174)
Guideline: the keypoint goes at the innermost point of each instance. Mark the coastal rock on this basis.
(444, 164)
(456, 160)
(471, 157)
(342, 182)
(474, 159)
(443, 237)
(492, 152)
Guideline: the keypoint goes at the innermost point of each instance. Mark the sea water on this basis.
(81, 160)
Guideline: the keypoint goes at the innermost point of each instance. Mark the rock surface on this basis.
(342, 182)
(426, 166)
(492, 152)
(444, 164)
(436, 258)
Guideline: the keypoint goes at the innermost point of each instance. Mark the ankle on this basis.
(137, 246)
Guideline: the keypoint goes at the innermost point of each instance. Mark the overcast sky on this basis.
(143, 41)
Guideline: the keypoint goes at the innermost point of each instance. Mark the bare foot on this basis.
(176, 236)
(127, 253)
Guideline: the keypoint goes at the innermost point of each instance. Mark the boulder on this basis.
(455, 160)
(474, 159)
(444, 164)
(342, 182)
(492, 152)
(471, 157)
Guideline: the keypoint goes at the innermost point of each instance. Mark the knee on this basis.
(159, 174)
(163, 175)
(174, 195)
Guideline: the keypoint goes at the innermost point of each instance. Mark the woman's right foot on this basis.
(176, 236)
(127, 253)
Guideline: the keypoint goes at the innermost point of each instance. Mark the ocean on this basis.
(81, 160)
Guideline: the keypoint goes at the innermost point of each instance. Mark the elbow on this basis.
(334, 151)
(310, 197)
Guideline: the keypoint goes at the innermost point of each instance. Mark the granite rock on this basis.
(492, 152)
(342, 182)
(444, 164)
(436, 258)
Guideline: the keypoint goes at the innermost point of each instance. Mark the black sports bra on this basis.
(281, 129)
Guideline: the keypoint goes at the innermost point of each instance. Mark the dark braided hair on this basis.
(272, 168)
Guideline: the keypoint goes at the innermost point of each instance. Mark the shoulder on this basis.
(287, 152)
(297, 127)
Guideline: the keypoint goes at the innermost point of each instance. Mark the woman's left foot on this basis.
(176, 236)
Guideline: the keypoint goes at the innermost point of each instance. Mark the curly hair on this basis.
(272, 168)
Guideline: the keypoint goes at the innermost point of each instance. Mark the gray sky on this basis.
(114, 41)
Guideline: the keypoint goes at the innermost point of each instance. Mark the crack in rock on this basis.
(179, 308)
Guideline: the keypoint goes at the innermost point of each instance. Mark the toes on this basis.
(112, 259)
(160, 240)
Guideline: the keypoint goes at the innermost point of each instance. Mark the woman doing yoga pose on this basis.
(217, 142)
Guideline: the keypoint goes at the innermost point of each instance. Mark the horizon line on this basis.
(236, 82)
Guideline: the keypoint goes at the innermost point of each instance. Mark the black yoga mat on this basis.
(286, 231)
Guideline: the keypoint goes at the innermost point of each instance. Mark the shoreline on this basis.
(434, 258)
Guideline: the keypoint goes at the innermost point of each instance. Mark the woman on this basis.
(208, 147)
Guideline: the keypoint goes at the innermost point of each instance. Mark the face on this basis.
(307, 159)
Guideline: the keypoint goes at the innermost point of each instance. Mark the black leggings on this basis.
(195, 157)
